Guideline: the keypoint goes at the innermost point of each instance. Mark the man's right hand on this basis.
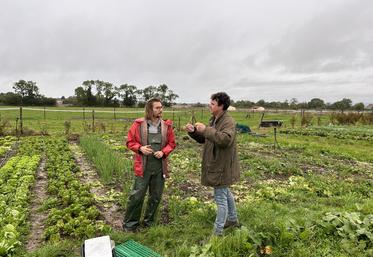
(189, 128)
(146, 149)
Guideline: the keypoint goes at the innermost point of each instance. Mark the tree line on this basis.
(26, 93)
(101, 93)
(90, 93)
(314, 104)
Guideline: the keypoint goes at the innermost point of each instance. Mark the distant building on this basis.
(369, 107)
(59, 102)
(257, 109)
(231, 108)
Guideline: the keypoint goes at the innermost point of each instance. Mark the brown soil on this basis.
(37, 218)
(191, 187)
(109, 211)
(165, 211)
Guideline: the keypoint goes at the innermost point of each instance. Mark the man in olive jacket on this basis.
(220, 166)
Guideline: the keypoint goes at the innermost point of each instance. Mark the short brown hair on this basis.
(222, 99)
(149, 107)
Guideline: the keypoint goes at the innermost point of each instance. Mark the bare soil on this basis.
(109, 210)
(37, 218)
(165, 211)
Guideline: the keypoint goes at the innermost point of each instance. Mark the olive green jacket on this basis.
(220, 165)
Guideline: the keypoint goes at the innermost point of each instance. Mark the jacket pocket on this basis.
(214, 174)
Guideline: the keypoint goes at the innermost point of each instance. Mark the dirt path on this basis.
(37, 218)
(103, 195)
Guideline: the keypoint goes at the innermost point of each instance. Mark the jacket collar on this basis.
(144, 132)
(167, 122)
(215, 120)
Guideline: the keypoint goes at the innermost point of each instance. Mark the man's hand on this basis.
(200, 127)
(189, 128)
(146, 149)
(158, 154)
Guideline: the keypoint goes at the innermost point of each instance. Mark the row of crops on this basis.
(17, 177)
(6, 144)
(71, 205)
(69, 208)
(335, 132)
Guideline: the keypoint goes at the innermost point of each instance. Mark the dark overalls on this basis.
(152, 178)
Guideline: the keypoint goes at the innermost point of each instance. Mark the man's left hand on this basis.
(158, 154)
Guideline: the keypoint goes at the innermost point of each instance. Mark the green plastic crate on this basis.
(131, 248)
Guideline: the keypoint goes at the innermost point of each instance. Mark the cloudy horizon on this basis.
(271, 50)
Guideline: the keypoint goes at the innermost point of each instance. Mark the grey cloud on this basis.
(196, 47)
(337, 39)
(306, 86)
(94, 40)
(304, 92)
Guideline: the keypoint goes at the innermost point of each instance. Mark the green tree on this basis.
(316, 103)
(10, 98)
(71, 100)
(149, 92)
(162, 92)
(105, 92)
(303, 105)
(285, 105)
(128, 94)
(28, 91)
(359, 107)
(84, 94)
(26, 88)
(293, 103)
(262, 103)
(166, 95)
(244, 104)
(170, 98)
(91, 99)
(342, 105)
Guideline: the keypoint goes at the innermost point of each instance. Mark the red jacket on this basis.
(137, 137)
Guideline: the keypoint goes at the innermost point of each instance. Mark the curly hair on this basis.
(222, 98)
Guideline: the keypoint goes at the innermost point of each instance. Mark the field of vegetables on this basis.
(68, 179)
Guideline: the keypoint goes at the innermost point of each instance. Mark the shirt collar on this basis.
(150, 123)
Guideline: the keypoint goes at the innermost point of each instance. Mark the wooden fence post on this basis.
(93, 120)
(17, 126)
(21, 119)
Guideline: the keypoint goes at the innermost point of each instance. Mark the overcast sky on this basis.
(268, 49)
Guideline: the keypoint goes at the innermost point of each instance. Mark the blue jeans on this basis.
(226, 208)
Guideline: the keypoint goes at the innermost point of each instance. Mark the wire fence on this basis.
(54, 119)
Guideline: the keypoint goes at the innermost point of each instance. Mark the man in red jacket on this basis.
(152, 139)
